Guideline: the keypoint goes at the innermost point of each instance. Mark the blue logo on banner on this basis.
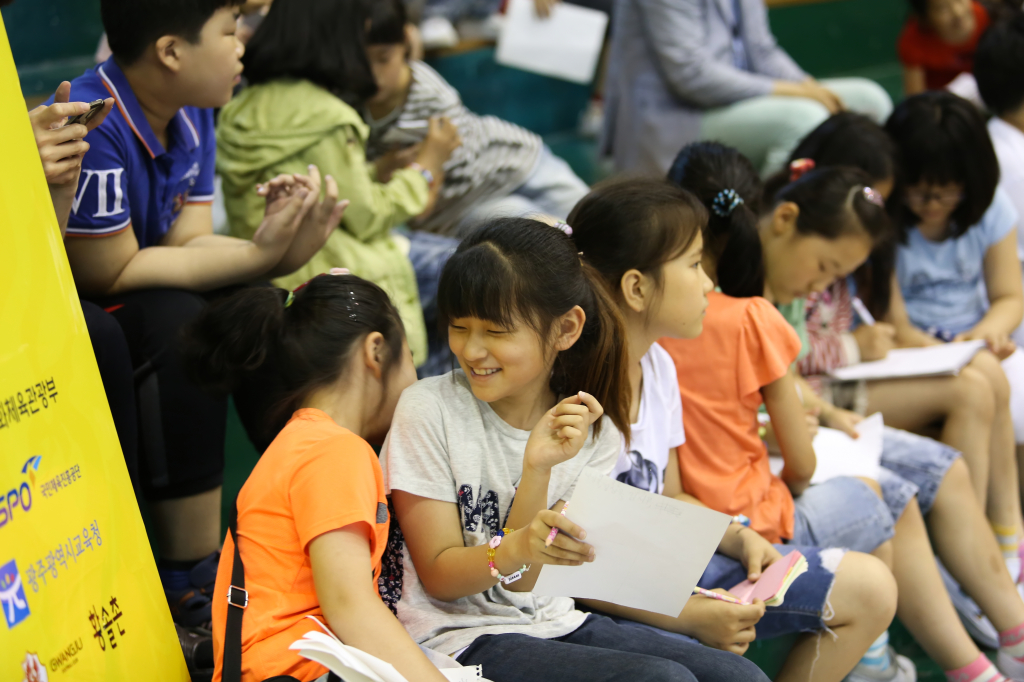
(12, 595)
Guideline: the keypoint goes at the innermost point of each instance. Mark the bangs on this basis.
(481, 282)
(934, 160)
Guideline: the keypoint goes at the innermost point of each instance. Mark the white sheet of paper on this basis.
(566, 44)
(946, 359)
(650, 550)
(840, 455)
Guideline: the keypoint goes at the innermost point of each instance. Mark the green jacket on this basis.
(282, 127)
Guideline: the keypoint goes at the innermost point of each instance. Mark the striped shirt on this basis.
(495, 157)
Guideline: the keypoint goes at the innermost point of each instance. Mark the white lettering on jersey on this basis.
(103, 200)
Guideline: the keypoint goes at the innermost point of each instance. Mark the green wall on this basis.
(54, 40)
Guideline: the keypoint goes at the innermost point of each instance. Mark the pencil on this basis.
(554, 531)
(862, 311)
(715, 595)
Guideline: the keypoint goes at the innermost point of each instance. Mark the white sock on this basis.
(877, 655)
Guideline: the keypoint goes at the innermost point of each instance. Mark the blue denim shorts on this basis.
(806, 601)
(842, 512)
(912, 463)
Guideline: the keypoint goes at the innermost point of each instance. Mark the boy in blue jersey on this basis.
(141, 245)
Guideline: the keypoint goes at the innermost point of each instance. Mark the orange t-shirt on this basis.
(314, 478)
(746, 344)
(942, 62)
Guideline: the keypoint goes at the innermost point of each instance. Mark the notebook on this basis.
(565, 45)
(354, 665)
(639, 539)
(771, 587)
(839, 455)
(932, 361)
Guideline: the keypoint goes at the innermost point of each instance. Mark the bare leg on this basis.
(964, 403)
(969, 550)
(188, 528)
(1003, 501)
(924, 606)
(863, 599)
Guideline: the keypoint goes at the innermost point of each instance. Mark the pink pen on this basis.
(554, 531)
(715, 595)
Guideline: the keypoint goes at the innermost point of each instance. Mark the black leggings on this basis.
(181, 427)
(114, 361)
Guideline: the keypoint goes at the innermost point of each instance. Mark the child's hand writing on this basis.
(875, 340)
(529, 545)
(561, 432)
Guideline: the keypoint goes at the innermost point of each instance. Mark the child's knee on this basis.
(990, 367)
(864, 590)
(972, 391)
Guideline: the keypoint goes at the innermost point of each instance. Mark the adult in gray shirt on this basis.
(688, 70)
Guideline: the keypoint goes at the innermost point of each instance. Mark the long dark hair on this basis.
(323, 41)
(636, 224)
(514, 271)
(280, 354)
(854, 140)
(943, 139)
(709, 169)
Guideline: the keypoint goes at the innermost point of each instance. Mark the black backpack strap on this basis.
(238, 600)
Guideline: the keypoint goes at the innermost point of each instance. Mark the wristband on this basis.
(741, 519)
(492, 548)
(427, 175)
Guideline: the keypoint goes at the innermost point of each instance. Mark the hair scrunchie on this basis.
(564, 227)
(800, 167)
(725, 202)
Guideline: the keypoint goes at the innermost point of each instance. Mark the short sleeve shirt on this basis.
(746, 345)
(128, 178)
(920, 47)
(943, 282)
(445, 444)
(658, 427)
(314, 478)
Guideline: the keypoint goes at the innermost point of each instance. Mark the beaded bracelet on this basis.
(492, 548)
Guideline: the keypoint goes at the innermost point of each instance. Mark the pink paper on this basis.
(769, 583)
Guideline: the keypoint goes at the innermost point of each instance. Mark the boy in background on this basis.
(500, 169)
(141, 245)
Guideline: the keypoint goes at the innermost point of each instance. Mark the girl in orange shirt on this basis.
(312, 519)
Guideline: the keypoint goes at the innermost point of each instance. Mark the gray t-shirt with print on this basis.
(446, 445)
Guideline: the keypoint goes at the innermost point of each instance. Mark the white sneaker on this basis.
(1010, 666)
(438, 32)
(978, 626)
(901, 669)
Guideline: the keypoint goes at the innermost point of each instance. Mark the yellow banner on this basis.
(79, 590)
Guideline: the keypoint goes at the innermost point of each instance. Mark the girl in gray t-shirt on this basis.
(481, 459)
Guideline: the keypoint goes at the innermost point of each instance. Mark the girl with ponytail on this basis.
(479, 463)
(814, 226)
(644, 236)
(311, 521)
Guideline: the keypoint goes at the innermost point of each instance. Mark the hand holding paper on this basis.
(943, 360)
(639, 539)
(840, 455)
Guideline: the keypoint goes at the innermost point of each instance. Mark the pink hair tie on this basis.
(874, 196)
(564, 227)
(340, 271)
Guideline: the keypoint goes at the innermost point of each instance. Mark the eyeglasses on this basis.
(945, 199)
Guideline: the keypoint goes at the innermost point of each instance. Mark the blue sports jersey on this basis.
(128, 178)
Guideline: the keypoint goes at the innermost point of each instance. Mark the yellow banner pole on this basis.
(79, 591)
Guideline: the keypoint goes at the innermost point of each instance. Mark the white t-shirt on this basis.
(1009, 143)
(446, 445)
(658, 427)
